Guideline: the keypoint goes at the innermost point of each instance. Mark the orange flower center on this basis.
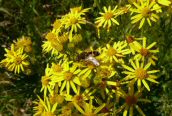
(45, 80)
(60, 99)
(68, 76)
(131, 100)
(18, 60)
(73, 20)
(78, 99)
(141, 73)
(130, 39)
(103, 84)
(146, 12)
(144, 52)
(108, 15)
(111, 52)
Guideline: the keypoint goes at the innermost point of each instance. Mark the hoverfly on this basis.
(89, 57)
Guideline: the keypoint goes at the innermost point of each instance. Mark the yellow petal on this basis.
(146, 85)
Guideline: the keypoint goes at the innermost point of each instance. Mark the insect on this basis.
(89, 57)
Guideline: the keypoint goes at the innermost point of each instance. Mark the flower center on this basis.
(144, 52)
(73, 20)
(68, 76)
(105, 73)
(51, 37)
(57, 68)
(103, 84)
(141, 73)
(59, 99)
(18, 60)
(45, 80)
(108, 15)
(146, 12)
(130, 39)
(131, 100)
(111, 52)
(48, 114)
(78, 99)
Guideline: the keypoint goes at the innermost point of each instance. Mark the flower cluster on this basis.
(78, 83)
(65, 31)
(92, 80)
(16, 58)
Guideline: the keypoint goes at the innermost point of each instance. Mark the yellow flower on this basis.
(81, 98)
(77, 38)
(105, 71)
(47, 83)
(145, 11)
(57, 68)
(103, 79)
(123, 10)
(72, 22)
(53, 45)
(67, 109)
(88, 109)
(107, 18)
(68, 77)
(39, 107)
(79, 10)
(57, 25)
(131, 100)
(145, 52)
(115, 53)
(56, 98)
(140, 73)
(45, 108)
(25, 43)
(15, 60)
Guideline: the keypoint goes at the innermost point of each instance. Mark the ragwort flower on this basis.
(68, 77)
(25, 43)
(140, 73)
(145, 52)
(15, 60)
(52, 44)
(45, 108)
(131, 100)
(89, 110)
(81, 98)
(107, 18)
(145, 11)
(73, 21)
(116, 52)
(79, 10)
(47, 83)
